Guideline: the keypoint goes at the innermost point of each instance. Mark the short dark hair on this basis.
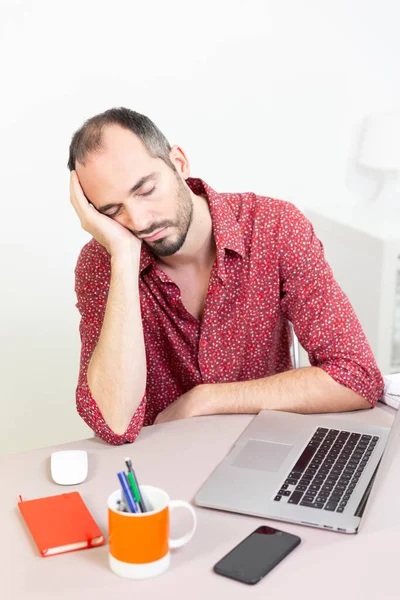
(89, 137)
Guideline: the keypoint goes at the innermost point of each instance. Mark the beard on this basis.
(182, 222)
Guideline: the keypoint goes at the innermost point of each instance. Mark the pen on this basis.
(135, 485)
(127, 492)
(136, 503)
(125, 503)
(134, 491)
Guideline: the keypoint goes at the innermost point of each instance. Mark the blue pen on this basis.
(127, 492)
(124, 502)
(135, 504)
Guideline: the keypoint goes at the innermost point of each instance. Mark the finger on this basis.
(78, 198)
(72, 190)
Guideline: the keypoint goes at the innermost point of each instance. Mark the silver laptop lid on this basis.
(382, 506)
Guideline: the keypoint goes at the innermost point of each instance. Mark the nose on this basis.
(138, 219)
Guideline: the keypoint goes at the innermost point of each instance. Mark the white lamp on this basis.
(380, 151)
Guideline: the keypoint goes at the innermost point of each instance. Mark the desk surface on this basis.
(178, 457)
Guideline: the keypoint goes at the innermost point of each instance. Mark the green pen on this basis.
(135, 486)
(134, 489)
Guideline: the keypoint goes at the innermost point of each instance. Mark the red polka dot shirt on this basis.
(269, 269)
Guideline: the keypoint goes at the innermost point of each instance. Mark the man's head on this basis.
(129, 172)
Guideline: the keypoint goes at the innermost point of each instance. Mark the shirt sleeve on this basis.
(323, 318)
(92, 280)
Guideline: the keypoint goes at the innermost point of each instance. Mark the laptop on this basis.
(306, 469)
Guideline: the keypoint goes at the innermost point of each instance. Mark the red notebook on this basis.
(61, 523)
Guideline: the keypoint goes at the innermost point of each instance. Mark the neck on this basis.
(198, 250)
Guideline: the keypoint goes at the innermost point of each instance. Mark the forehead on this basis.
(122, 160)
(121, 150)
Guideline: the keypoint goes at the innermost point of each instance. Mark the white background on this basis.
(264, 96)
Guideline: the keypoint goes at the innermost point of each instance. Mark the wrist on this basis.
(128, 253)
(200, 400)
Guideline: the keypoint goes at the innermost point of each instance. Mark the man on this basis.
(186, 294)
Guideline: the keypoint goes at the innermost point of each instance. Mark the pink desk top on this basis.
(178, 457)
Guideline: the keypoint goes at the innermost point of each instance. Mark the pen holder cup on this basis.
(139, 543)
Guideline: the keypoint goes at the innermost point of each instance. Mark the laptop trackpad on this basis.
(262, 456)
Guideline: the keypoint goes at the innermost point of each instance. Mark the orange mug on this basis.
(139, 543)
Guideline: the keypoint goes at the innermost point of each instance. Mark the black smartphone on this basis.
(257, 555)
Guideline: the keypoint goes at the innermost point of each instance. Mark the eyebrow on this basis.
(134, 189)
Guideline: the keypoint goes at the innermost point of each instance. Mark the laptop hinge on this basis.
(361, 507)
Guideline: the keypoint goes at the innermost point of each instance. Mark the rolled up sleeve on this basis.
(92, 280)
(323, 318)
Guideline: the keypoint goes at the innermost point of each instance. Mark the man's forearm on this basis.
(117, 370)
(307, 390)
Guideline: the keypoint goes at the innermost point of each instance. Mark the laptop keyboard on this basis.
(328, 470)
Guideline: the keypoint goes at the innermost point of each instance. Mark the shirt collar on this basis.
(227, 232)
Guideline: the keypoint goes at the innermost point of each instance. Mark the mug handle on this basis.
(178, 542)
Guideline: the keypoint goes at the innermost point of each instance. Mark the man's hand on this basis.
(188, 405)
(110, 234)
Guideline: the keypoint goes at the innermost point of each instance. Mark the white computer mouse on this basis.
(69, 467)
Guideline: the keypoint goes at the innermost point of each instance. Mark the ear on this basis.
(180, 160)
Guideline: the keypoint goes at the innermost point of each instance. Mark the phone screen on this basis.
(260, 552)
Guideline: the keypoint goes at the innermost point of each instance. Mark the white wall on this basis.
(265, 96)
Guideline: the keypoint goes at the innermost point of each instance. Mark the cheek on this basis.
(126, 221)
(123, 220)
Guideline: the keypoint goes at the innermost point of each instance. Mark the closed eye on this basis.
(148, 193)
(114, 214)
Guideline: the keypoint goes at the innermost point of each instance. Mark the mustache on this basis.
(153, 227)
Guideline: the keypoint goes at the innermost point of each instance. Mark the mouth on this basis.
(154, 236)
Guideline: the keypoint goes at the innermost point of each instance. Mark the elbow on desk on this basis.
(356, 401)
(111, 430)
(359, 388)
(362, 403)
(120, 431)
(353, 400)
